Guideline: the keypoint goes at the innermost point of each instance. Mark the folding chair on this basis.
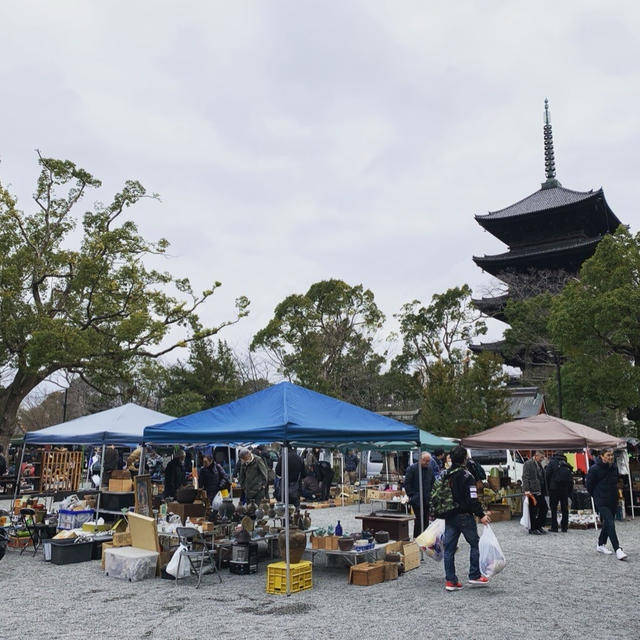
(28, 521)
(197, 553)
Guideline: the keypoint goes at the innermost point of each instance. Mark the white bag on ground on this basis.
(525, 521)
(431, 540)
(185, 566)
(216, 503)
(492, 560)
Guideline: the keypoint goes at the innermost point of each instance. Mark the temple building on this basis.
(552, 231)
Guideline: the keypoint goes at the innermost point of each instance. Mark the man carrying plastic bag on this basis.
(455, 498)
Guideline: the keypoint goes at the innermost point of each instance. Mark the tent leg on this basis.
(633, 516)
(421, 489)
(593, 504)
(104, 446)
(342, 476)
(285, 491)
(16, 489)
(229, 456)
(359, 481)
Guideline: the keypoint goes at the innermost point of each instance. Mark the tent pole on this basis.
(421, 488)
(18, 474)
(229, 456)
(285, 481)
(342, 476)
(626, 453)
(360, 481)
(104, 446)
(593, 504)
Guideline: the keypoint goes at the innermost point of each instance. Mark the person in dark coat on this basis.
(325, 477)
(296, 471)
(602, 485)
(412, 489)
(559, 475)
(462, 521)
(174, 475)
(534, 486)
(111, 462)
(212, 477)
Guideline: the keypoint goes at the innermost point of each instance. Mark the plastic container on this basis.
(73, 519)
(130, 563)
(300, 577)
(70, 551)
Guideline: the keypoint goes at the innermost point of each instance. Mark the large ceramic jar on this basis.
(280, 509)
(227, 509)
(297, 544)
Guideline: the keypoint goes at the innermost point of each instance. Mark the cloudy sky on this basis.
(295, 141)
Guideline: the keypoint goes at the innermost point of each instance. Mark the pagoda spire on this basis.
(549, 159)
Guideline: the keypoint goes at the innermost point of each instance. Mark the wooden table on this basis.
(396, 524)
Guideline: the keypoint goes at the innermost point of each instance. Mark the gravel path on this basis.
(554, 586)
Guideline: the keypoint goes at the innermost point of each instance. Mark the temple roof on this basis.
(551, 253)
(541, 200)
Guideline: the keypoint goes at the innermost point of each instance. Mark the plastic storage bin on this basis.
(130, 563)
(73, 519)
(70, 551)
(300, 577)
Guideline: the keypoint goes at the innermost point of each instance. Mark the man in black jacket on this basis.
(412, 489)
(174, 475)
(461, 521)
(602, 485)
(535, 488)
(559, 476)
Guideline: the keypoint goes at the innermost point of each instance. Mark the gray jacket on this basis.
(533, 478)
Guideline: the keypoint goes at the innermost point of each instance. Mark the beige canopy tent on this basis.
(547, 432)
(542, 432)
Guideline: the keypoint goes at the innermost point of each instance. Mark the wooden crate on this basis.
(60, 470)
(367, 573)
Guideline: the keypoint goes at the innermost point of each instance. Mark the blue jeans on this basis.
(465, 524)
(608, 528)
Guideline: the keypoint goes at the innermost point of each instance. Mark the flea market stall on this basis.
(294, 417)
(549, 433)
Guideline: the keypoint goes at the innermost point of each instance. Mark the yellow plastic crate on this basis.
(300, 577)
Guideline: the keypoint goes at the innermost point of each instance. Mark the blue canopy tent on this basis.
(289, 414)
(122, 425)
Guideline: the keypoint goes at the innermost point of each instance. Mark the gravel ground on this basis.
(554, 586)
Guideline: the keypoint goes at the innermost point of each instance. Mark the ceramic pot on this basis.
(243, 537)
(251, 508)
(272, 511)
(259, 513)
(279, 509)
(307, 520)
(297, 544)
(345, 544)
(227, 509)
(381, 537)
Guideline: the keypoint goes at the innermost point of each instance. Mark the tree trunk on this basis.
(10, 400)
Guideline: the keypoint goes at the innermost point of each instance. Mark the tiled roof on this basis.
(541, 249)
(540, 201)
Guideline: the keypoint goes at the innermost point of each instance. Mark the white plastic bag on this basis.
(525, 521)
(216, 503)
(185, 567)
(431, 540)
(492, 560)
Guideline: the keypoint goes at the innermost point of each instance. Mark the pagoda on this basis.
(554, 229)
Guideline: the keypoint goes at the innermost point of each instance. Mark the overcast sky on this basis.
(296, 141)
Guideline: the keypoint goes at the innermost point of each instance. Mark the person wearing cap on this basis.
(253, 475)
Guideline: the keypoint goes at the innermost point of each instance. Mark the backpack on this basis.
(442, 502)
(563, 475)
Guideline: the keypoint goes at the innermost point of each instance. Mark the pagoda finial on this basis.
(549, 159)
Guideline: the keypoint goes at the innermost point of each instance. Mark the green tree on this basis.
(596, 323)
(323, 340)
(94, 310)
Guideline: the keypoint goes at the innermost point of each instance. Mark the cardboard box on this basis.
(120, 474)
(120, 485)
(121, 539)
(144, 532)
(411, 556)
(105, 546)
(390, 571)
(65, 535)
(367, 573)
(499, 512)
(331, 543)
(193, 510)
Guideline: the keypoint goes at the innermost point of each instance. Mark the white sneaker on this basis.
(620, 554)
(602, 549)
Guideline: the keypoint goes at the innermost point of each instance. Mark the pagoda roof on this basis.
(526, 256)
(493, 307)
(542, 200)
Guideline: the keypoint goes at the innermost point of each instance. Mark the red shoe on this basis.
(482, 581)
(452, 586)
